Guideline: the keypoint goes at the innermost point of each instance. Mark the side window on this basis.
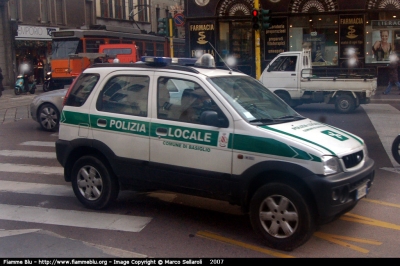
(185, 101)
(290, 63)
(276, 65)
(125, 94)
(82, 89)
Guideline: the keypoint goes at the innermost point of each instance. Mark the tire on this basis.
(282, 216)
(93, 183)
(345, 104)
(285, 97)
(32, 91)
(45, 87)
(396, 149)
(17, 91)
(48, 117)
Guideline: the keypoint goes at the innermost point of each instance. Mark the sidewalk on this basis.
(16, 107)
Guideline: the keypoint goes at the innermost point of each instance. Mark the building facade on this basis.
(26, 26)
(331, 28)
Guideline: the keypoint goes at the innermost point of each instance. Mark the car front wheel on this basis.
(93, 183)
(282, 216)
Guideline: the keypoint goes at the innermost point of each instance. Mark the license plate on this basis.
(362, 191)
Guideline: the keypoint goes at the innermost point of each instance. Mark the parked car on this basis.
(227, 137)
(46, 108)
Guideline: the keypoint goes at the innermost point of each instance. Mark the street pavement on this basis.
(37, 243)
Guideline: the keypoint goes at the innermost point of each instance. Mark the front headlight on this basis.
(365, 152)
(331, 165)
(48, 73)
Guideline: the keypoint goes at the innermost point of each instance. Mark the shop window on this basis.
(381, 38)
(320, 33)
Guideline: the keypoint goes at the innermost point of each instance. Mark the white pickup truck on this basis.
(291, 76)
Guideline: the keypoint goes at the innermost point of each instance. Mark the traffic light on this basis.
(264, 19)
(255, 19)
(162, 28)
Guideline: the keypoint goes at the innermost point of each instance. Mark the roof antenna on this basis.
(215, 50)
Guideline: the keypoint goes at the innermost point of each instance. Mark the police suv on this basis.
(227, 137)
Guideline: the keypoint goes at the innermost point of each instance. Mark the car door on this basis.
(120, 122)
(185, 153)
(282, 73)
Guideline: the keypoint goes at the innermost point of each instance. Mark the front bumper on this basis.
(337, 194)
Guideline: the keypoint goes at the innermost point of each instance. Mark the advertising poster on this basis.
(351, 39)
(384, 41)
(202, 34)
(276, 38)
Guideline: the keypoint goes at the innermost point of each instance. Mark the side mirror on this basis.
(210, 118)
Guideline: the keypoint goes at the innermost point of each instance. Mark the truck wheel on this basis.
(396, 149)
(285, 97)
(282, 216)
(345, 104)
(93, 183)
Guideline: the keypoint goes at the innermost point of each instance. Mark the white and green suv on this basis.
(227, 137)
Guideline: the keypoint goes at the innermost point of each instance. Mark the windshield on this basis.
(255, 103)
(62, 48)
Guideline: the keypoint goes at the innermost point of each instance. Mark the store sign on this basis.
(351, 35)
(378, 24)
(202, 34)
(35, 33)
(275, 38)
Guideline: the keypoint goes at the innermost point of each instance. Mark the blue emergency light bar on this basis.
(204, 61)
(153, 60)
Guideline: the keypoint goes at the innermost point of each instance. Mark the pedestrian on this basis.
(1, 82)
(393, 75)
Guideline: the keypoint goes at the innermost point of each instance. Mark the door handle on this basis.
(293, 74)
(160, 131)
(101, 122)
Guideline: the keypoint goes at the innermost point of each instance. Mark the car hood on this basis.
(327, 139)
(61, 92)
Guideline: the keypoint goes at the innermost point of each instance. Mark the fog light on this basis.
(344, 195)
(335, 194)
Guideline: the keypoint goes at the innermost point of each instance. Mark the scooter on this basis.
(396, 149)
(20, 85)
(48, 82)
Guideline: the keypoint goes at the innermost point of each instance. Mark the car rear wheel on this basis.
(93, 183)
(282, 216)
(49, 117)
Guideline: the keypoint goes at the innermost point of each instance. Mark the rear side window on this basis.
(82, 89)
(125, 94)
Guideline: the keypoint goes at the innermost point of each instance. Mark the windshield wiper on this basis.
(290, 117)
(262, 120)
